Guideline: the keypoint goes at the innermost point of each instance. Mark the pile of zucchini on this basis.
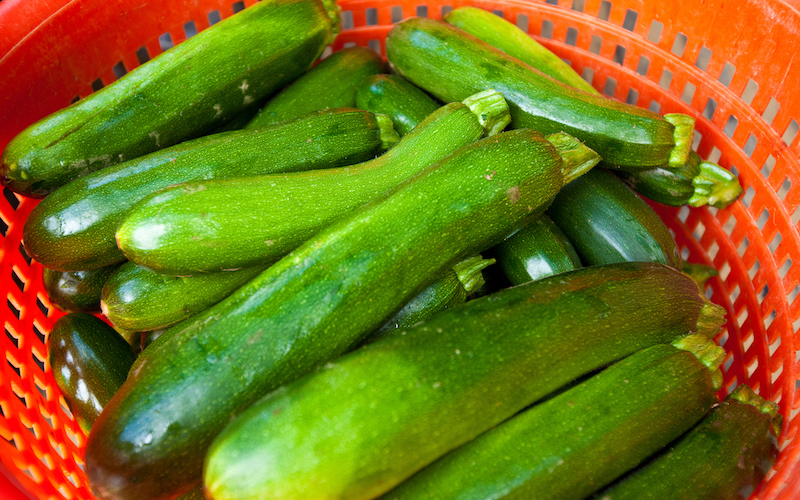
(432, 279)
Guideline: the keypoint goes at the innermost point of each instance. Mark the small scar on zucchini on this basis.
(513, 194)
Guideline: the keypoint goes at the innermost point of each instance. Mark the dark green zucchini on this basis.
(451, 64)
(73, 228)
(397, 98)
(89, 361)
(140, 300)
(606, 223)
(330, 84)
(582, 439)
(238, 229)
(536, 251)
(385, 411)
(724, 458)
(310, 307)
(76, 291)
(181, 94)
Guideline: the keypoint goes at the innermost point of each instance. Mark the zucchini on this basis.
(330, 84)
(397, 98)
(181, 94)
(451, 64)
(536, 251)
(724, 457)
(606, 222)
(581, 440)
(76, 291)
(238, 229)
(89, 361)
(383, 412)
(140, 300)
(73, 228)
(310, 307)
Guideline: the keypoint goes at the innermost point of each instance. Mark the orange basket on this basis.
(730, 64)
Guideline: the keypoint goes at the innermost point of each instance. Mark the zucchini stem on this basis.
(708, 352)
(710, 319)
(388, 135)
(714, 186)
(683, 136)
(578, 158)
(745, 395)
(700, 273)
(491, 109)
(333, 10)
(469, 272)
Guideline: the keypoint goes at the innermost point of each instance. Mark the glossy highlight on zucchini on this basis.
(76, 291)
(397, 98)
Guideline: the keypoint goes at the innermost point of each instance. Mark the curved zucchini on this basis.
(183, 93)
(385, 411)
(397, 98)
(606, 223)
(89, 361)
(330, 84)
(310, 307)
(140, 300)
(238, 229)
(451, 64)
(536, 251)
(582, 439)
(725, 457)
(73, 228)
(76, 291)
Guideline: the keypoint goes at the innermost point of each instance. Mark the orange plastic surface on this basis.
(730, 64)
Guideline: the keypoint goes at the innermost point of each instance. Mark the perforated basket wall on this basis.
(731, 64)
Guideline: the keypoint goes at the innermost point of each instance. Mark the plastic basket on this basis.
(730, 64)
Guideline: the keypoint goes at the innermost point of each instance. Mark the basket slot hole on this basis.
(791, 132)
(784, 189)
(11, 198)
(605, 10)
(498, 13)
(577, 5)
(14, 309)
(375, 45)
(777, 373)
(422, 11)
(75, 99)
(773, 347)
(735, 293)
(119, 70)
(685, 254)
(769, 320)
(39, 362)
(784, 270)
(596, 44)
(633, 97)
(771, 111)
(20, 395)
(238, 7)
(619, 55)
(749, 92)
(189, 29)
(347, 19)
(17, 280)
(679, 45)
(643, 66)
(666, 79)
(654, 34)
(14, 365)
(726, 77)
(547, 29)
(748, 342)
(713, 250)
(372, 16)
(793, 294)
(552, 2)
(655, 106)
(730, 126)
(688, 93)
(97, 85)
(747, 199)
(12, 337)
(213, 17)
(43, 308)
(762, 219)
(142, 55)
(703, 58)
(397, 14)
(630, 20)
(3, 226)
(698, 137)
(683, 214)
(754, 269)
(699, 231)
(751, 369)
(714, 155)
(742, 248)
(326, 52)
(610, 86)
(522, 22)
(588, 75)
(727, 365)
(572, 36)
(42, 389)
(347, 45)
(750, 145)
(165, 41)
(446, 9)
(39, 334)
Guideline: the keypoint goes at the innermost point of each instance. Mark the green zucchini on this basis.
(76, 291)
(73, 228)
(330, 84)
(581, 440)
(181, 94)
(140, 300)
(451, 64)
(536, 251)
(383, 412)
(397, 98)
(89, 361)
(238, 229)
(310, 307)
(700, 273)
(606, 222)
(725, 457)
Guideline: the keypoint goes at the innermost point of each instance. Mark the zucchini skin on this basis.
(396, 97)
(330, 84)
(89, 361)
(140, 300)
(385, 411)
(76, 291)
(606, 222)
(73, 228)
(310, 307)
(181, 94)
(451, 64)
(536, 251)
(575, 443)
(239, 230)
(724, 457)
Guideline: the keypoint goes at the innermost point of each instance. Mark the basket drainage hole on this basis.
(577, 5)
(619, 55)
(14, 340)
(749, 92)
(703, 58)
(119, 70)
(656, 28)
(522, 22)
(75, 99)
(747, 199)
(14, 367)
(605, 10)
(165, 41)
(643, 66)
(397, 14)
(422, 11)
(655, 106)
(784, 270)
(17, 280)
(776, 241)
(498, 13)
(630, 20)
(238, 7)
(711, 107)
(680, 44)
(11, 198)
(547, 29)
(595, 45)
(572, 36)
(771, 111)
(791, 132)
(715, 155)
(13, 308)
(97, 85)
(688, 93)
(552, 2)
(372, 16)
(213, 17)
(726, 77)
(43, 308)
(610, 87)
(588, 75)
(633, 97)
(347, 19)
(39, 362)
(666, 79)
